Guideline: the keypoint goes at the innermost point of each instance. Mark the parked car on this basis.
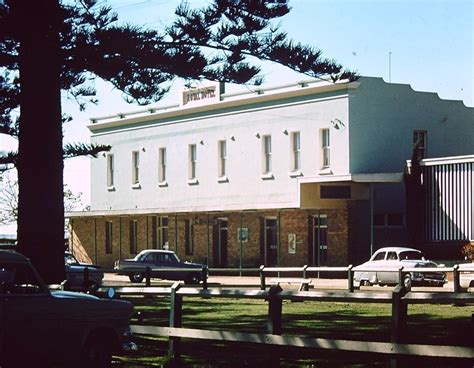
(163, 264)
(39, 327)
(75, 274)
(466, 275)
(391, 259)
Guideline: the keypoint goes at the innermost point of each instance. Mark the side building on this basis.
(310, 173)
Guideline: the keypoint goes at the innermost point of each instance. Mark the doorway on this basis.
(220, 243)
(319, 244)
(271, 242)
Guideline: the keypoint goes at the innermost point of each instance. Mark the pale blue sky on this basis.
(431, 44)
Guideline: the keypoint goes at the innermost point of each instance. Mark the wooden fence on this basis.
(400, 298)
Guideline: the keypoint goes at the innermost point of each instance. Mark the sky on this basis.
(428, 44)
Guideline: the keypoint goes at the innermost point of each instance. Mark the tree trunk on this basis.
(40, 160)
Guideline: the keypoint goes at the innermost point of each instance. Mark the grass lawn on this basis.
(427, 324)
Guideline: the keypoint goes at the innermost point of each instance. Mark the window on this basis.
(267, 154)
(192, 161)
(135, 167)
(379, 256)
(160, 232)
(335, 192)
(295, 151)
(420, 138)
(133, 236)
(325, 149)
(189, 237)
(110, 170)
(162, 165)
(222, 148)
(108, 237)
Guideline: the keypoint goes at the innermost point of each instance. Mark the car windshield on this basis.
(411, 255)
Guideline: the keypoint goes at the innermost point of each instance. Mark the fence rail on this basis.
(400, 298)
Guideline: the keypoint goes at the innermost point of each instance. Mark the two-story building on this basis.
(309, 173)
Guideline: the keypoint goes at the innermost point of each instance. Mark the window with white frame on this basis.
(325, 148)
(222, 148)
(110, 170)
(295, 151)
(162, 165)
(192, 161)
(267, 154)
(135, 167)
(420, 139)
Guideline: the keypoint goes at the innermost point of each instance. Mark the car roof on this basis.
(397, 249)
(156, 251)
(12, 256)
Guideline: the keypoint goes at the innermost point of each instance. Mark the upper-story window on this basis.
(162, 165)
(192, 154)
(110, 170)
(295, 151)
(135, 167)
(420, 138)
(222, 152)
(267, 154)
(325, 148)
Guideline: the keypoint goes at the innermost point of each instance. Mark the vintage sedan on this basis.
(382, 268)
(75, 272)
(42, 328)
(163, 264)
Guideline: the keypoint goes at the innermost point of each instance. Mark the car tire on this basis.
(192, 279)
(407, 282)
(136, 277)
(97, 354)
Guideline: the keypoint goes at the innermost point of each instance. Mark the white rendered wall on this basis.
(245, 188)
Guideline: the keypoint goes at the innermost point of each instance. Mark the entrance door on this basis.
(320, 240)
(271, 243)
(220, 243)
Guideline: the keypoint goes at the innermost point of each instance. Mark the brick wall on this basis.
(88, 237)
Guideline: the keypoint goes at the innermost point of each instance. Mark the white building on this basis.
(311, 173)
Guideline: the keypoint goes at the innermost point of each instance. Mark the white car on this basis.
(466, 275)
(382, 268)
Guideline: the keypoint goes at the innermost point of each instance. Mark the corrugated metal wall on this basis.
(449, 202)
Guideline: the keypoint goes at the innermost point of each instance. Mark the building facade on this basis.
(309, 173)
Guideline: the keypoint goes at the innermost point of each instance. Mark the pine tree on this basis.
(49, 46)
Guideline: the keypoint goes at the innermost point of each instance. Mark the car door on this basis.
(392, 263)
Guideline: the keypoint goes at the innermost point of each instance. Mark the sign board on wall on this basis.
(291, 243)
(204, 95)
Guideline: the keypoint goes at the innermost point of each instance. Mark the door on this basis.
(271, 242)
(222, 242)
(320, 240)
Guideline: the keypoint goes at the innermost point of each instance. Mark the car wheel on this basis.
(192, 279)
(365, 283)
(136, 277)
(97, 354)
(407, 282)
(93, 286)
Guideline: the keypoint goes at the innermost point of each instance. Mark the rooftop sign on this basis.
(204, 95)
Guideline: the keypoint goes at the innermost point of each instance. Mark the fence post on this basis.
(262, 278)
(456, 280)
(399, 314)
(176, 314)
(275, 303)
(204, 277)
(304, 271)
(148, 276)
(350, 279)
(85, 285)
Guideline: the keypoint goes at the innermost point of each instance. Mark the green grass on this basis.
(427, 324)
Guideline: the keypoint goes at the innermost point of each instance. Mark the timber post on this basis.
(176, 318)
(399, 314)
